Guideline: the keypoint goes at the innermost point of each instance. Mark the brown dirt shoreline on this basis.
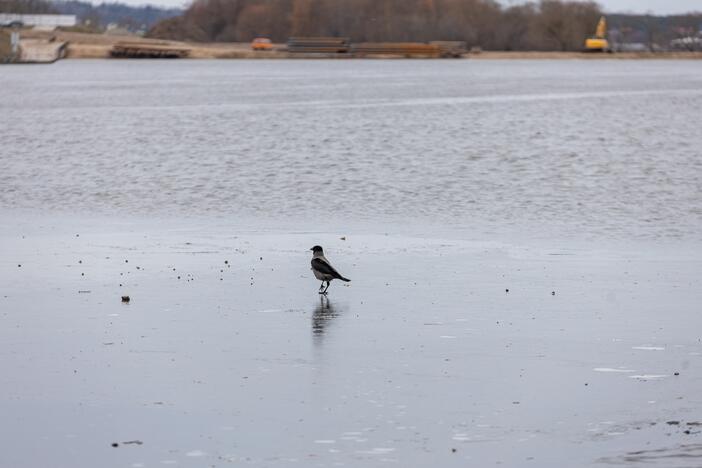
(91, 46)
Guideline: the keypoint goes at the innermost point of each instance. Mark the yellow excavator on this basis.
(598, 42)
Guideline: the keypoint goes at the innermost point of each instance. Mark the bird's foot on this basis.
(323, 293)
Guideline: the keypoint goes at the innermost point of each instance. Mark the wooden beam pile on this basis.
(326, 45)
(141, 50)
(454, 49)
(402, 49)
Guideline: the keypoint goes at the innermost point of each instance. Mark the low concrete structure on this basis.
(14, 48)
(41, 51)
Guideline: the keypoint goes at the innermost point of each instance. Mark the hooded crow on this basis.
(323, 270)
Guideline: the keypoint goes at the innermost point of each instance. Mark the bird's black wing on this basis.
(325, 268)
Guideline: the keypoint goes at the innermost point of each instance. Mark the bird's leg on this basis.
(325, 289)
(321, 286)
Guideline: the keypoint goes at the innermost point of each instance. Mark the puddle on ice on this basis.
(377, 451)
(686, 455)
(353, 436)
(648, 376)
(476, 438)
(324, 441)
(610, 369)
(649, 348)
(195, 453)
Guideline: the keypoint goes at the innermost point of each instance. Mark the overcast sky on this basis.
(660, 7)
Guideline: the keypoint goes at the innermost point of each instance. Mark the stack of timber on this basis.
(452, 49)
(401, 49)
(325, 45)
(147, 50)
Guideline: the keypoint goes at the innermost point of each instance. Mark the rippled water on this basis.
(602, 148)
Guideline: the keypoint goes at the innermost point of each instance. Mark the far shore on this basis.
(96, 46)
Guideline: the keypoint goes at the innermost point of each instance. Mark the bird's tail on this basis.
(344, 279)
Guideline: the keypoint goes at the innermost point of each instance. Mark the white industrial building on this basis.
(13, 19)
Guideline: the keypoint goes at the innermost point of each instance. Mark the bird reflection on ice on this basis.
(324, 314)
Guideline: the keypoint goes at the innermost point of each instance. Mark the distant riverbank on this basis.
(81, 45)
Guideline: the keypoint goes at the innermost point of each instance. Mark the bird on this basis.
(323, 270)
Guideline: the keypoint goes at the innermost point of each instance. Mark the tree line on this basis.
(26, 7)
(546, 25)
(653, 30)
(131, 17)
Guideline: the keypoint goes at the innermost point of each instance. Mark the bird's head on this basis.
(316, 249)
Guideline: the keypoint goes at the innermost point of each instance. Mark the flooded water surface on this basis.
(601, 148)
(523, 240)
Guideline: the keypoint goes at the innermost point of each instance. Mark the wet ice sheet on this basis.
(241, 362)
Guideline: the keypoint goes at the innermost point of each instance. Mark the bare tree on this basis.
(566, 24)
(26, 6)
